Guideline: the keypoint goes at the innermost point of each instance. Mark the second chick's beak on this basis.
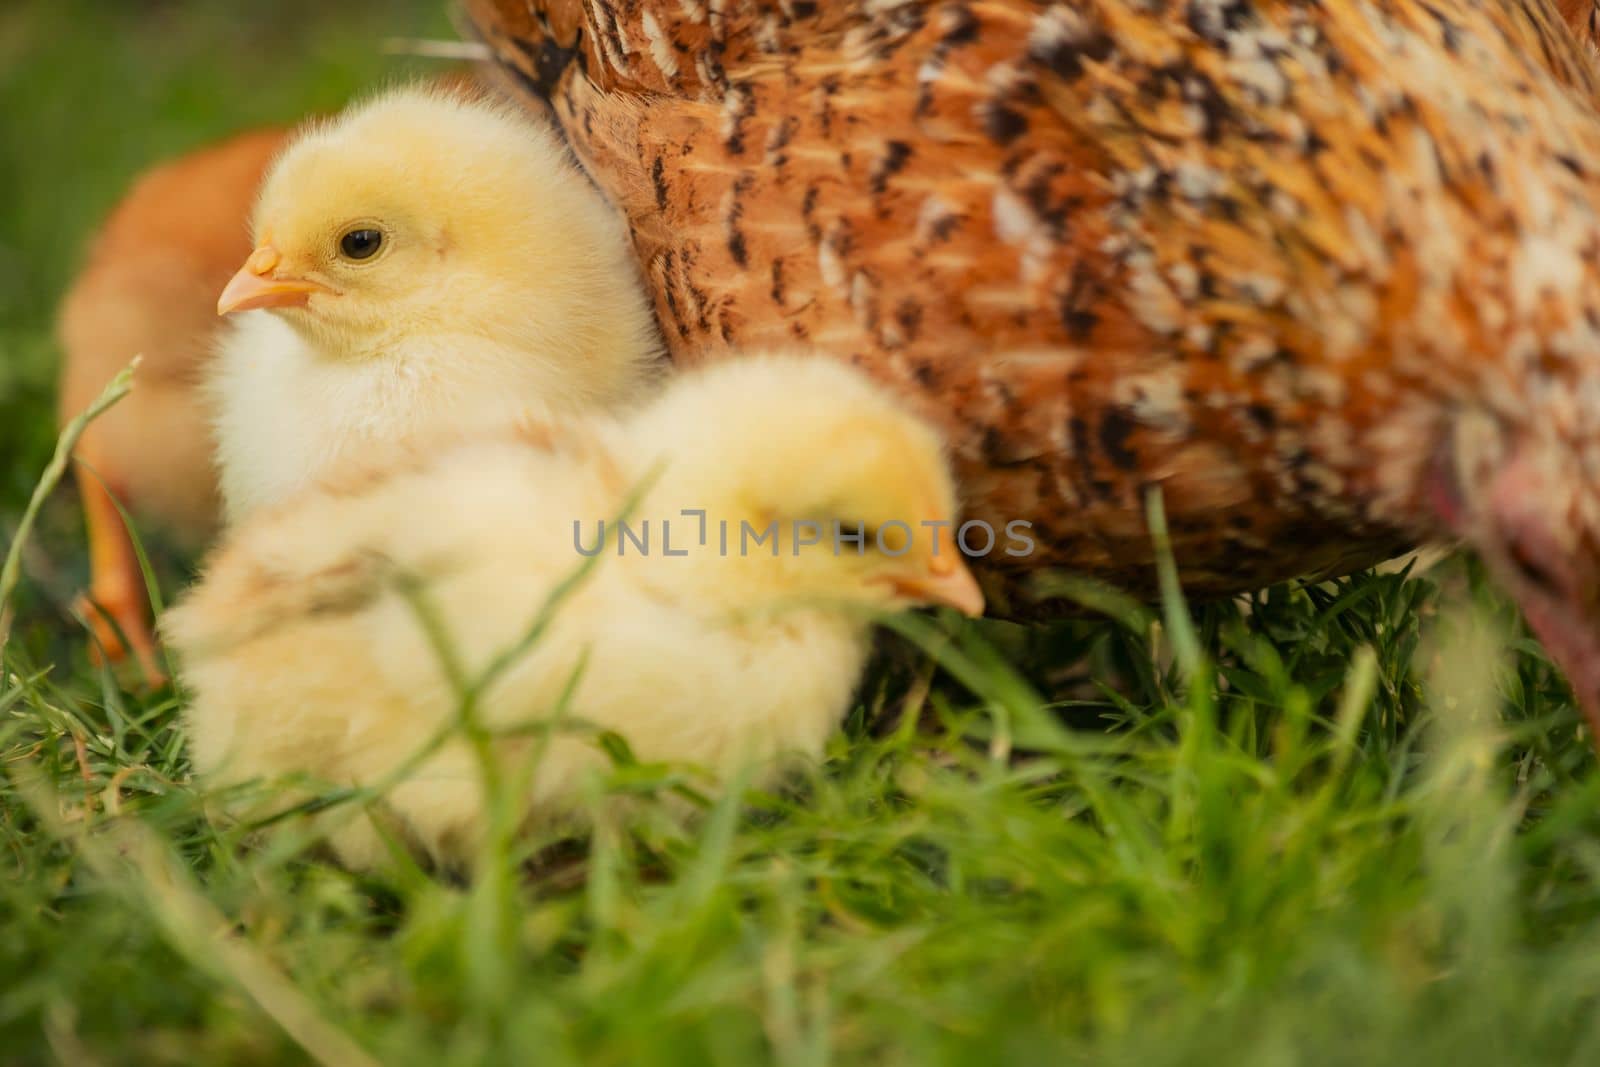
(948, 582)
(257, 285)
(945, 579)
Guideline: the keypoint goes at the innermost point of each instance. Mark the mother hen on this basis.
(1322, 270)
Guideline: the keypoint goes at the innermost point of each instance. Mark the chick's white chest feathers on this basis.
(285, 413)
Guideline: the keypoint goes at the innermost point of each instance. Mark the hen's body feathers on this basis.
(1225, 249)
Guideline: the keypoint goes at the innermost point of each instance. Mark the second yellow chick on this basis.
(426, 261)
(781, 501)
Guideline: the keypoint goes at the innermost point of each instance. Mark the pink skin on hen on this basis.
(1534, 551)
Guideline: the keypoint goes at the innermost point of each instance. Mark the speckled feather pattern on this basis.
(1584, 18)
(1252, 253)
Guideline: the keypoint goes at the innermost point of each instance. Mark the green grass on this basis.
(1352, 823)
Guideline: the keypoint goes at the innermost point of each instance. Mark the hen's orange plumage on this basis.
(1584, 18)
(1323, 272)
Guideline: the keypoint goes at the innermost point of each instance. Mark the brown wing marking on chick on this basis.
(244, 599)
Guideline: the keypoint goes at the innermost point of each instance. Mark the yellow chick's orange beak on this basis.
(947, 581)
(256, 286)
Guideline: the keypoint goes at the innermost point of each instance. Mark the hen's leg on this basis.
(116, 598)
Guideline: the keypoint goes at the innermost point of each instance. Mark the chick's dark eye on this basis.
(360, 244)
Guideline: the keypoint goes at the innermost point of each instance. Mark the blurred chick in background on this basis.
(426, 262)
(150, 288)
(305, 657)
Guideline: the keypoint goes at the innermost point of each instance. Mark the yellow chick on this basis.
(427, 260)
(724, 621)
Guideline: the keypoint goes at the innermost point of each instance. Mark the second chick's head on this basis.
(815, 483)
(430, 219)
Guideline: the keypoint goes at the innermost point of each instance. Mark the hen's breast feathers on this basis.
(1108, 245)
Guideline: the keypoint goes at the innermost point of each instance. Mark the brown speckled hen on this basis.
(1325, 272)
(1584, 18)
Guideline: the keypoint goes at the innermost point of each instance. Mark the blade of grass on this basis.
(119, 386)
(1185, 643)
(141, 864)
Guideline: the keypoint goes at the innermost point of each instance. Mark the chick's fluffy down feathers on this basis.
(306, 658)
(503, 286)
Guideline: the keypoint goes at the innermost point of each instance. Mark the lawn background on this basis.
(1255, 834)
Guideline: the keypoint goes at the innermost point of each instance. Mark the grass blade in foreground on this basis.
(11, 573)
